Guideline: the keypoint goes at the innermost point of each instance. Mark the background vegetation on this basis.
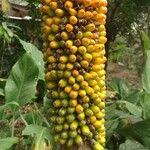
(24, 114)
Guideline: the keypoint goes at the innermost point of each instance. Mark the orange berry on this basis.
(49, 21)
(73, 20)
(103, 2)
(88, 14)
(73, 94)
(53, 5)
(69, 28)
(103, 39)
(81, 13)
(68, 4)
(102, 10)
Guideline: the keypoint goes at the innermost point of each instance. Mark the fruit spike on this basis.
(74, 38)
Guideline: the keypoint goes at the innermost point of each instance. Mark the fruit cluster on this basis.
(74, 36)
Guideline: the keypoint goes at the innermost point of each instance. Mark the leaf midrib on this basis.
(18, 96)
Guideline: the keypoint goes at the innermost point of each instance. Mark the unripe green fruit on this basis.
(64, 135)
(51, 111)
(53, 119)
(62, 112)
(78, 140)
(62, 141)
(76, 87)
(57, 137)
(65, 103)
(84, 84)
(63, 95)
(82, 123)
(82, 93)
(70, 143)
(65, 126)
(95, 109)
(54, 94)
(85, 130)
(70, 110)
(61, 66)
(86, 105)
(73, 134)
(79, 35)
(85, 99)
(71, 80)
(80, 78)
(70, 118)
(62, 83)
(81, 116)
(60, 74)
(57, 103)
(74, 125)
(58, 128)
(99, 115)
(82, 50)
(88, 112)
(60, 120)
(97, 146)
(67, 74)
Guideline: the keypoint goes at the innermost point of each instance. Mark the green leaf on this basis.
(1, 92)
(111, 126)
(115, 113)
(9, 32)
(146, 42)
(37, 130)
(139, 130)
(22, 81)
(132, 145)
(133, 109)
(41, 133)
(134, 96)
(7, 143)
(120, 86)
(36, 55)
(146, 74)
(145, 103)
(2, 86)
(1, 31)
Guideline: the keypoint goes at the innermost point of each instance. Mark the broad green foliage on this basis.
(139, 130)
(21, 83)
(2, 85)
(36, 55)
(146, 42)
(7, 143)
(131, 145)
(130, 114)
(146, 74)
(41, 134)
(145, 103)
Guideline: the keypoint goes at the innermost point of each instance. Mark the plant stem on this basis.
(13, 125)
(42, 116)
(23, 120)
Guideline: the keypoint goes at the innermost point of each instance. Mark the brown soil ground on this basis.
(115, 70)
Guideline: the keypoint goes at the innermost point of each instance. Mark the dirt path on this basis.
(115, 70)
